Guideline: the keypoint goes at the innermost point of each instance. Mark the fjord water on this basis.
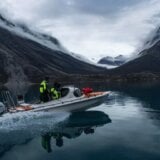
(126, 126)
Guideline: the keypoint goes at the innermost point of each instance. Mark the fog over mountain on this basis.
(92, 28)
(26, 55)
(147, 61)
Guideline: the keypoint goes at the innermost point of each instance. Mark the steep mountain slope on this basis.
(148, 60)
(27, 55)
(153, 38)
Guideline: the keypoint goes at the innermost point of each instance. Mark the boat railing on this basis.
(7, 99)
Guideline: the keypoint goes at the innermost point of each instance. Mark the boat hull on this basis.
(74, 106)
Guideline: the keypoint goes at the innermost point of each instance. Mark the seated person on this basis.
(55, 91)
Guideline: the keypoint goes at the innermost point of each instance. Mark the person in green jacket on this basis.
(44, 90)
(55, 91)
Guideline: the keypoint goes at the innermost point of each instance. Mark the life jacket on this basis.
(54, 93)
(43, 86)
(87, 90)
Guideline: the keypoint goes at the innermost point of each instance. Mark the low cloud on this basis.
(91, 28)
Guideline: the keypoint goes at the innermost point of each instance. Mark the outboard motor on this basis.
(2, 108)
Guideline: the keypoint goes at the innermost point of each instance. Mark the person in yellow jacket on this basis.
(44, 90)
(55, 92)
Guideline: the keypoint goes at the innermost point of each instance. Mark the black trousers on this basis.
(44, 97)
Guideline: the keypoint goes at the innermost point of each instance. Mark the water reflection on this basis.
(50, 126)
(146, 99)
(146, 93)
(77, 124)
(21, 128)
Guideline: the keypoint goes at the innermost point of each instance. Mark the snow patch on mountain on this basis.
(107, 66)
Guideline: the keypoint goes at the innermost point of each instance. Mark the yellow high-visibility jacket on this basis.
(54, 93)
(43, 86)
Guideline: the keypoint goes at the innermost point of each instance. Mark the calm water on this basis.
(126, 126)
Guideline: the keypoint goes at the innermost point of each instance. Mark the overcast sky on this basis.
(93, 28)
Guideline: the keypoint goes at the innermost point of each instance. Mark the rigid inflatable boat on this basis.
(71, 100)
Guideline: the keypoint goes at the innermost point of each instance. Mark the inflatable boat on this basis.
(71, 100)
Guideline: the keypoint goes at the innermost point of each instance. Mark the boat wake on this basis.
(20, 128)
(39, 121)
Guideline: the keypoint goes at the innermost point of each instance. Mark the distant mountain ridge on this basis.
(113, 61)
